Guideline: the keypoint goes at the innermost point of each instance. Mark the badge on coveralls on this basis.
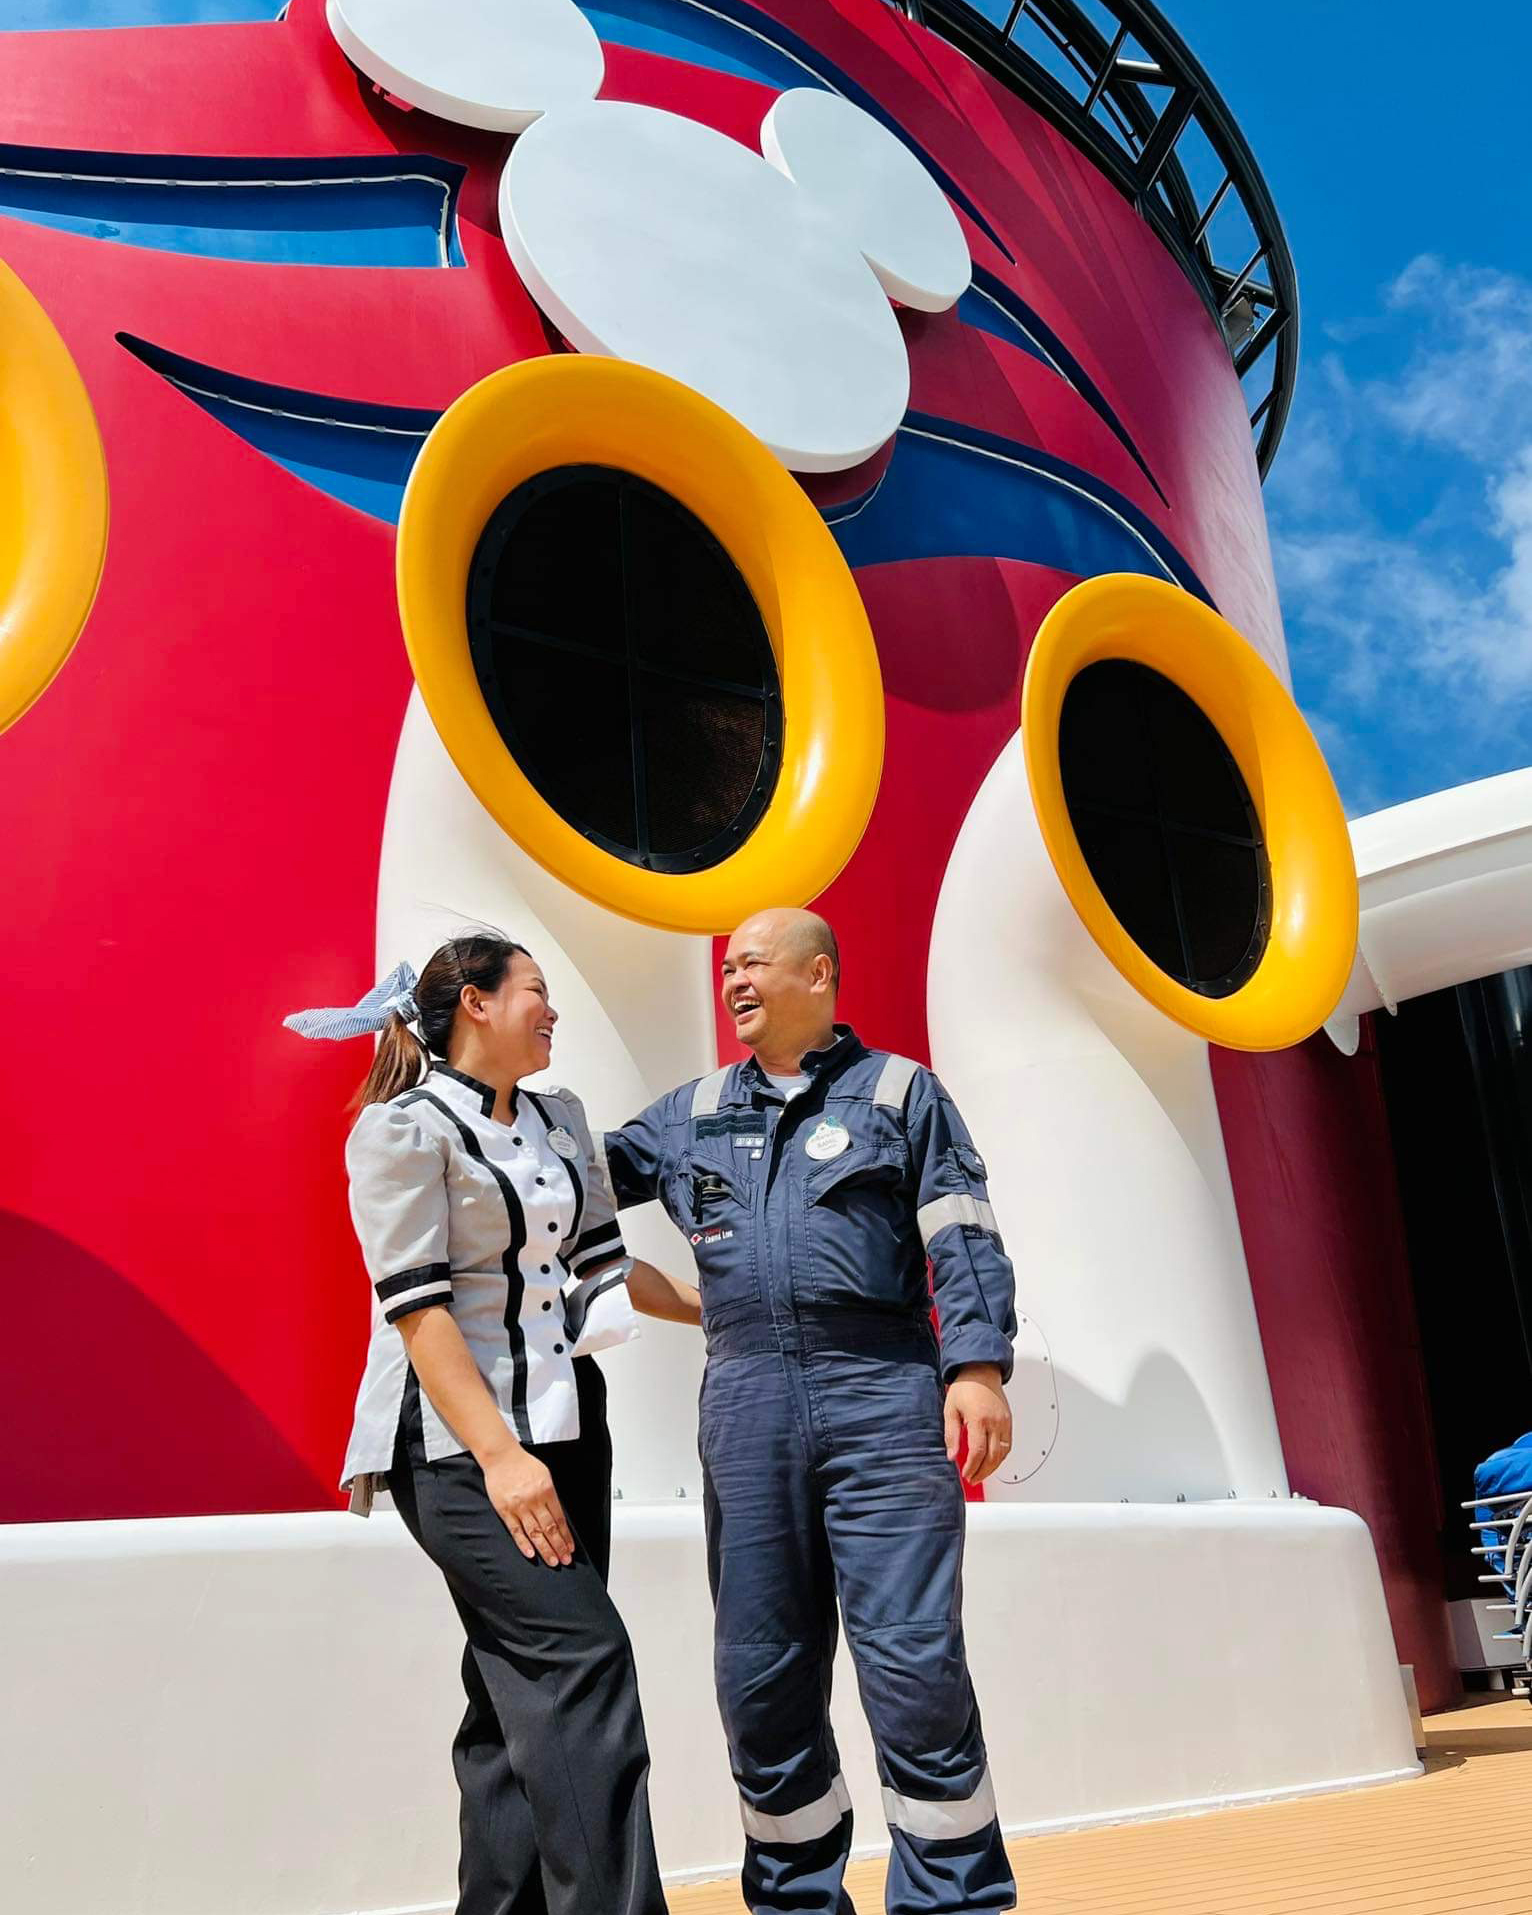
(563, 1142)
(828, 1140)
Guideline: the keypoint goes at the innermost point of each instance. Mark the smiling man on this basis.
(814, 1182)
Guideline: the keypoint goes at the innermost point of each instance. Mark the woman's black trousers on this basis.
(551, 1759)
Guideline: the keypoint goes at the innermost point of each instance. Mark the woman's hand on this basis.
(522, 1492)
(519, 1486)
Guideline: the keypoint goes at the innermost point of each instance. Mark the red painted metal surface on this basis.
(190, 819)
(1318, 1201)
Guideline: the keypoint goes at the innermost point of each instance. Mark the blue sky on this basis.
(1392, 137)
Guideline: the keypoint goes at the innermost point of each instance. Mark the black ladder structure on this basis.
(1119, 82)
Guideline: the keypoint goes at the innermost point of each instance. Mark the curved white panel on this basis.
(645, 236)
(876, 189)
(635, 1019)
(1446, 884)
(333, 1646)
(1034, 1396)
(496, 64)
(1108, 1175)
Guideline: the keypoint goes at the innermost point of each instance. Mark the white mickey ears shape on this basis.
(876, 190)
(647, 237)
(497, 64)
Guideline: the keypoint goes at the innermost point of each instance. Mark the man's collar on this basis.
(842, 1047)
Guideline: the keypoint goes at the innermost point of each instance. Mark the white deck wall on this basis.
(252, 1715)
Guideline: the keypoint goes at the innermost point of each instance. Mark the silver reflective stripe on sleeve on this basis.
(708, 1091)
(808, 1824)
(937, 1821)
(958, 1208)
(894, 1082)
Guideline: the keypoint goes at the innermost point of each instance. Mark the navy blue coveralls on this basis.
(824, 1462)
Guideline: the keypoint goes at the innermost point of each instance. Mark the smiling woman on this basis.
(52, 500)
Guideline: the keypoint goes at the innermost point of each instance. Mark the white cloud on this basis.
(1467, 387)
(1410, 624)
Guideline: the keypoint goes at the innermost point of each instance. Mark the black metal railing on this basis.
(1119, 82)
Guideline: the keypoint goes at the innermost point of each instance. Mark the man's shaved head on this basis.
(780, 976)
(807, 936)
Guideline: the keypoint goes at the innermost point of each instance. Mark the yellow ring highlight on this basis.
(1308, 958)
(53, 506)
(588, 411)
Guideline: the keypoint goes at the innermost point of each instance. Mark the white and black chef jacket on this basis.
(511, 1226)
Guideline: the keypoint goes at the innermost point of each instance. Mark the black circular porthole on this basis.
(1165, 823)
(626, 667)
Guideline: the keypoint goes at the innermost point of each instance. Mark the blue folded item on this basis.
(1507, 1473)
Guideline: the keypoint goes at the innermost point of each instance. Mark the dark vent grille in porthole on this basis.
(1166, 825)
(626, 667)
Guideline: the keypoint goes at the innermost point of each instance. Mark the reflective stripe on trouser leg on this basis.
(942, 1821)
(947, 1854)
(808, 1824)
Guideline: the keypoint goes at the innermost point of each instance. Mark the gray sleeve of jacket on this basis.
(398, 1172)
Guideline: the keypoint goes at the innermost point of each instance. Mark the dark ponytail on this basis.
(481, 960)
(399, 1063)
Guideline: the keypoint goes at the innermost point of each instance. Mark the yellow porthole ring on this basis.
(1313, 934)
(569, 410)
(52, 500)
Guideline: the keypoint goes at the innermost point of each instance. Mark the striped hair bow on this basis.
(395, 994)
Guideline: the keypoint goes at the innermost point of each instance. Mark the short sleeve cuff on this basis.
(594, 1248)
(411, 1290)
(606, 1310)
(606, 1277)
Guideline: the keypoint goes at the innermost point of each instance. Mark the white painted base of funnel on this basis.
(253, 1714)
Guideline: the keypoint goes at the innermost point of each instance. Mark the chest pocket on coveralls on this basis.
(862, 1236)
(712, 1207)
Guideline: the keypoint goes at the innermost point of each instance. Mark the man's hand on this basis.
(976, 1403)
(521, 1489)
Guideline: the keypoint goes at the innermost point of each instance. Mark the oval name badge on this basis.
(562, 1141)
(828, 1140)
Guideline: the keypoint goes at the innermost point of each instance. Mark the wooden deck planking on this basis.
(1456, 1842)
